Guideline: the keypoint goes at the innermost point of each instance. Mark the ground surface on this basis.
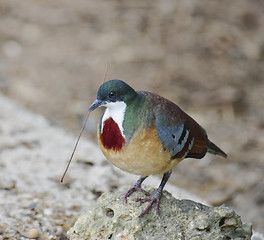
(207, 56)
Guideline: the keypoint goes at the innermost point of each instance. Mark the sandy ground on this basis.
(207, 56)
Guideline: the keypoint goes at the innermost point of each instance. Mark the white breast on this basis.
(115, 110)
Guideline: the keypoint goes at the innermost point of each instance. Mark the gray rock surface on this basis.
(111, 218)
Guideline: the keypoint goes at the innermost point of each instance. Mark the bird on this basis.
(145, 134)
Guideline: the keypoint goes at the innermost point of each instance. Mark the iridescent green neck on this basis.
(136, 115)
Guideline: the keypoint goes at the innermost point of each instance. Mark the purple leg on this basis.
(155, 197)
(135, 188)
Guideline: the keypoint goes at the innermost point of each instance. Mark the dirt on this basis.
(207, 56)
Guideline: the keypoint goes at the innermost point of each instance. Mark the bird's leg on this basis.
(155, 197)
(135, 188)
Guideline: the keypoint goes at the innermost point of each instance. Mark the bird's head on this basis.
(112, 93)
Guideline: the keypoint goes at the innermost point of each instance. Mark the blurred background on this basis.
(207, 56)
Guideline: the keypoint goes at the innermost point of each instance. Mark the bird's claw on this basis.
(134, 189)
(152, 200)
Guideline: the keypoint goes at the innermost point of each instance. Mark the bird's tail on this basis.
(212, 148)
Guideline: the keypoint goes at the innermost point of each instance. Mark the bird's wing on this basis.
(178, 132)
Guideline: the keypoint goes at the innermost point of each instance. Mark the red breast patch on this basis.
(111, 136)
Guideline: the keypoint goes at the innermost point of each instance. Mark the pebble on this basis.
(47, 211)
(59, 231)
(33, 233)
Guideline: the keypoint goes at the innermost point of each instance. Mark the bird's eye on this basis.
(112, 94)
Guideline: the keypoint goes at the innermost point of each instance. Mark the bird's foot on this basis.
(134, 189)
(154, 198)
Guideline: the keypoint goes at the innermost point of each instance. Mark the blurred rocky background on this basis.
(207, 56)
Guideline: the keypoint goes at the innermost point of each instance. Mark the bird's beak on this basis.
(97, 103)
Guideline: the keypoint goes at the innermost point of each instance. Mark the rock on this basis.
(33, 233)
(111, 218)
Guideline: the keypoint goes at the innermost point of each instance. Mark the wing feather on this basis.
(178, 132)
